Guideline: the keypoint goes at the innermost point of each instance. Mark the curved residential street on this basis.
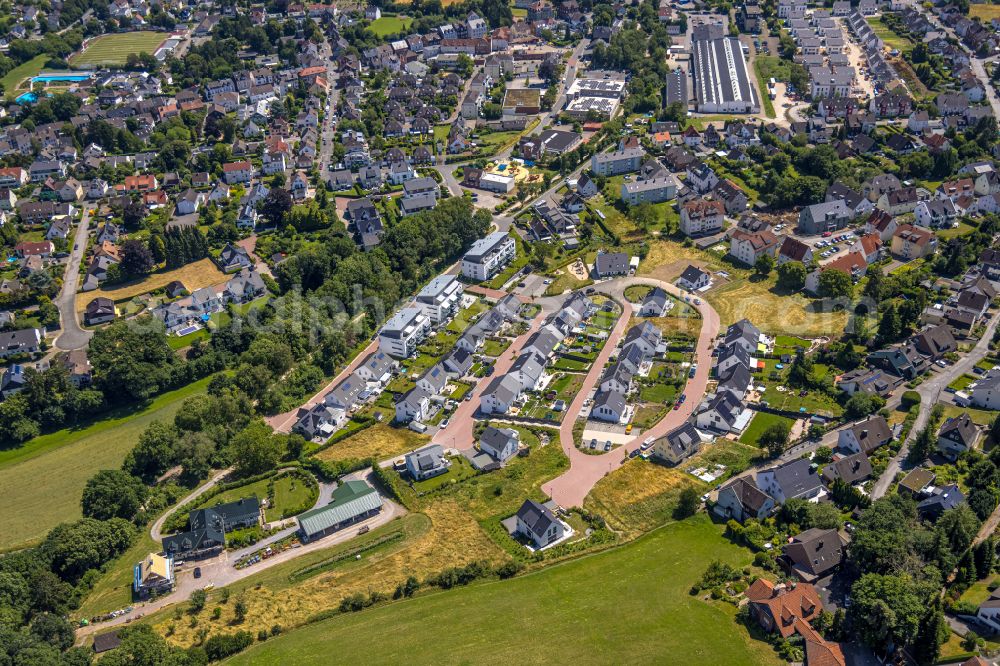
(73, 336)
(572, 487)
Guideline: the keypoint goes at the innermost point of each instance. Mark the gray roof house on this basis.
(825, 216)
(794, 479)
(957, 435)
(678, 444)
(814, 553)
(608, 406)
(851, 469)
(501, 443)
(741, 499)
(426, 462)
(609, 264)
(538, 524)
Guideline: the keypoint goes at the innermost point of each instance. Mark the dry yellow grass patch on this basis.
(668, 259)
(379, 441)
(791, 314)
(454, 539)
(671, 326)
(203, 273)
(986, 12)
(639, 496)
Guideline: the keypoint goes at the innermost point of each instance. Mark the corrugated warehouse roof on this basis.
(350, 500)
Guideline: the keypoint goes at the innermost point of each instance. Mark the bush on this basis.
(224, 645)
(909, 399)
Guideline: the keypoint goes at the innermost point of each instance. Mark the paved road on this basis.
(72, 335)
(221, 572)
(572, 487)
(975, 63)
(930, 393)
(459, 434)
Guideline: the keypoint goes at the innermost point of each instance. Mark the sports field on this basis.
(626, 605)
(43, 480)
(114, 49)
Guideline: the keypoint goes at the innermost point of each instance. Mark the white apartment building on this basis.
(488, 256)
(440, 299)
(400, 335)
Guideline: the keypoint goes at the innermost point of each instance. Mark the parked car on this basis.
(197, 572)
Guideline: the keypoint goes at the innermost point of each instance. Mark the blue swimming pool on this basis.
(27, 98)
(48, 78)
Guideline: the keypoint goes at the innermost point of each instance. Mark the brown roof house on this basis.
(742, 499)
(813, 554)
(865, 436)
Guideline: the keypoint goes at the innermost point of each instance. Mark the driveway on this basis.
(220, 571)
(572, 487)
(73, 336)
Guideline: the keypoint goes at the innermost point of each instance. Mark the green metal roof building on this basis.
(352, 502)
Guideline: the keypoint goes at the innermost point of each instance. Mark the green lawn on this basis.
(887, 35)
(962, 382)
(11, 80)
(759, 424)
(291, 496)
(390, 25)
(114, 49)
(43, 480)
(626, 605)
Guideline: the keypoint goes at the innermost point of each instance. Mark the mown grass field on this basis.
(761, 422)
(43, 481)
(14, 77)
(390, 25)
(290, 494)
(203, 273)
(114, 49)
(626, 605)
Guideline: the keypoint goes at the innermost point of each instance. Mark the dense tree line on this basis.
(183, 245)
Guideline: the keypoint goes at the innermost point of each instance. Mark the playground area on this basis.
(518, 170)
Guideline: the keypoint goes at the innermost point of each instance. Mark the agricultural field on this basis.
(114, 49)
(643, 610)
(390, 25)
(380, 441)
(203, 273)
(36, 500)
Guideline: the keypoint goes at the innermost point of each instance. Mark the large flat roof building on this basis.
(721, 81)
